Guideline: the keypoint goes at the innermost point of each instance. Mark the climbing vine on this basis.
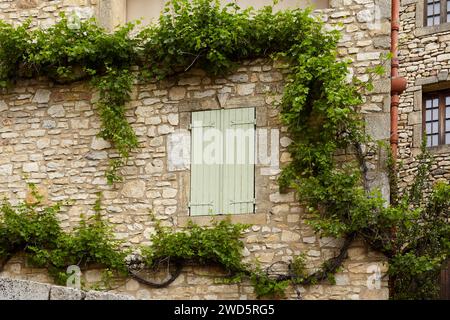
(66, 53)
(319, 108)
(33, 228)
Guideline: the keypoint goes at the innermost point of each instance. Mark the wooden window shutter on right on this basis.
(238, 195)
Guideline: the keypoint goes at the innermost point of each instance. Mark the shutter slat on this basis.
(238, 183)
(205, 178)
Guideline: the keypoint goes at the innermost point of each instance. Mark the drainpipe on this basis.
(398, 84)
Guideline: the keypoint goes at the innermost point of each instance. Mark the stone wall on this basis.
(48, 136)
(424, 54)
(29, 290)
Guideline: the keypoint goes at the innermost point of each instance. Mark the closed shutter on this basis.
(226, 186)
(205, 177)
(239, 169)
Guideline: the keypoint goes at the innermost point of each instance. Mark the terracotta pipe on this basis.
(398, 84)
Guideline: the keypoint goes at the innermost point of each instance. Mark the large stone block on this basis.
(134, 189)
(378, 126)
(65, 293)
(23, 290)
(42, 96)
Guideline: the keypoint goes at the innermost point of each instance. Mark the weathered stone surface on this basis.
(134, 189)
(23, 290)
(95, 295)
(65, 293)
(289, 236)
(6, 169)
(245, 89)
(279, 197)
(177, 93)
(27, 4)
(12, 289)
(42, 96)
(100, 144)
(97, 155)
(3, 106)
(30, 167)
(378, 126)
(375, 294)
(56, 111)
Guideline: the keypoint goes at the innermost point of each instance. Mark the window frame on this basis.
(443, 13)
(219, 214)
(442, 130)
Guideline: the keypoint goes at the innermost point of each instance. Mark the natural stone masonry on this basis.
(29, 290)
(424, 61)
(48, 135)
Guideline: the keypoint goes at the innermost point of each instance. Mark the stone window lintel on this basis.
(422, 30)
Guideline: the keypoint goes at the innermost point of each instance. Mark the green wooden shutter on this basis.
(226, 187)
(205, 178)
(238, 170)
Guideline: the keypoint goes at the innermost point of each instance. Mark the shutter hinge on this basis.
(211, 125)
(234, 123)
(206, 204)
(239, 202)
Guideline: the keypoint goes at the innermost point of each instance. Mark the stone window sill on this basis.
(426, 31)
(251, 218)
(440, 149)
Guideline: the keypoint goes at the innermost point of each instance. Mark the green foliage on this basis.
(201, 33)
(66, 54)
(421, 243)
(35, 230)
(266, 286)
(220, 244)
(298, 269)
(115, 87)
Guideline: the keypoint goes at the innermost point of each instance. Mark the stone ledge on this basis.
(428, 31)
(259, 218)
(442, 149)
(12, 289)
